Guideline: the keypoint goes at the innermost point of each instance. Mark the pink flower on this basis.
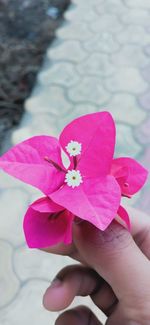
(91, 187)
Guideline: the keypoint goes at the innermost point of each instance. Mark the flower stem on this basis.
(75, 162)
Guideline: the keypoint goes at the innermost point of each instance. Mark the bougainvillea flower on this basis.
(90, 186)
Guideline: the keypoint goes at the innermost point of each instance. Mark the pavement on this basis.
(99, 60)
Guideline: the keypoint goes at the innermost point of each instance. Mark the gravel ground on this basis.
(26, 29)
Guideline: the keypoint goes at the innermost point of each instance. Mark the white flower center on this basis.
(73, 178)
(73, 148)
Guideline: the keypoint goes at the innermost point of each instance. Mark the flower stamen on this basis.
(73, 178)
(74, 148)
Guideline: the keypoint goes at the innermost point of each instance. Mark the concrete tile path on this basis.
(99, 60)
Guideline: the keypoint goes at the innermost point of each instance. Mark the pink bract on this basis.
(102, 180)
(46, 224)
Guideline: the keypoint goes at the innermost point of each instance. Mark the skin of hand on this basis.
(114, 271)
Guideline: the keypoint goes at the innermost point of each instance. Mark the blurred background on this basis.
(60, 59)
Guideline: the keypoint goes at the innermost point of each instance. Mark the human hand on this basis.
(116, 274)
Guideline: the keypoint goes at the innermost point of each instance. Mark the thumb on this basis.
(115, 256)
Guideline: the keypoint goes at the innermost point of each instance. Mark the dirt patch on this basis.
(27, 27)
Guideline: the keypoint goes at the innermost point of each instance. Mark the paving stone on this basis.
(44, 124)
(106, 22)
(138, 3)
(78, 14)
(96, 64)
(22, 134)
(13, 205)
(60, 52)
(146, 73)
(49, 100)
(78, 110)
(126, 144)
(89, 90)
(146, 50)
(133, 34)
(130, 55)
(76, 31)
(60, 74)
(32, 263)
(116, 7)
(7, 182)
(9, 283)
(126, 79)
(27, 307)
(144, 100)
(147, 29)
(102, 42)
(125, 202)
(143, 203)
(125, 108)
(143, 133)
(136, 16)
(88, 3)
(146, 162)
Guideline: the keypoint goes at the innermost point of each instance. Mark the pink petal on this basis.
(96, 200)
(26, 162)
(46, 229)
(96, 133)
(45, 204)
(123, 214)
(130, 175)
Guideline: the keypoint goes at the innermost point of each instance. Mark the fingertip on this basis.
(51, 295)
(56, 297)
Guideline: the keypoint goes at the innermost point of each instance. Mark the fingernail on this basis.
(55, 283)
